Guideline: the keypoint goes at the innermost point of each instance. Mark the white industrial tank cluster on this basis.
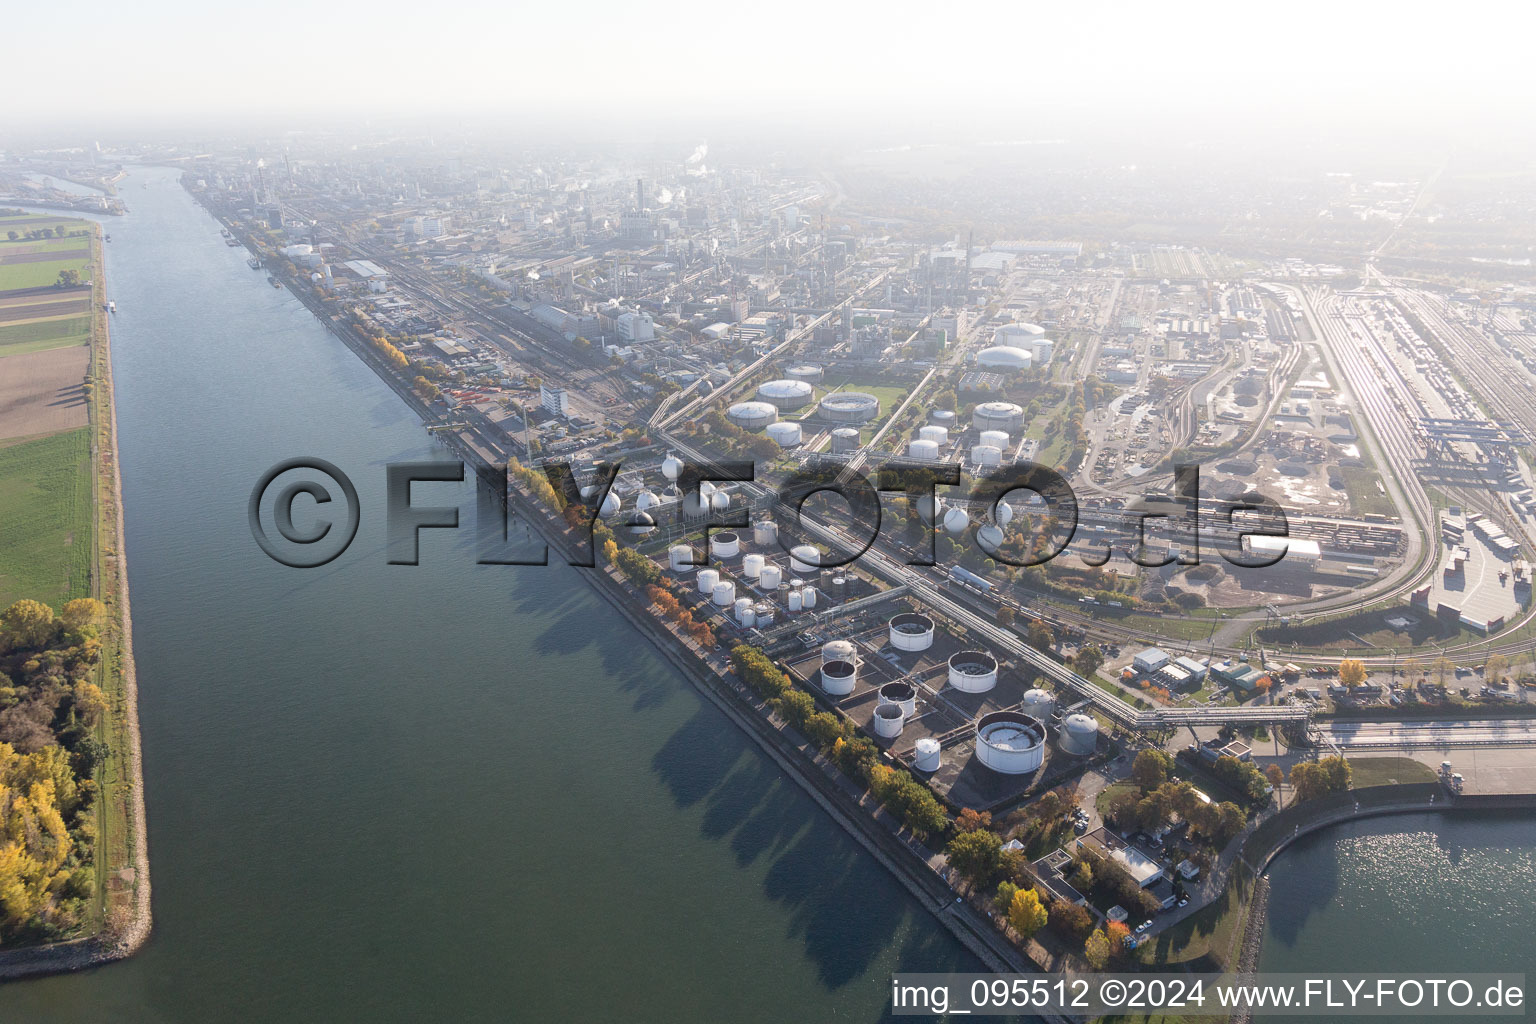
(911, 631)
(752, 415)
(997, 416)
(1039, 704)
(784, 433)
(845, 440)
(926, 755)
(927, 451)
(770, 578)
(745, 615)
(724, 545)
(888, 720)
(765, 613)
(900, 693)
(849, 407)
(785, 394)
(839, 677)
(972, 671)
(1079, 735)
(1010, 742)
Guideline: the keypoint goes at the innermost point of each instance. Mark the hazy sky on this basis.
(164, 58)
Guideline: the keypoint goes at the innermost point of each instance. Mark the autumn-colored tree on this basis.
(1088, 660)
(26, 623)
(1005, 616)
(90, 703)
(1096, 949)
(1151, 768)
(1026, 913)
(1039, 635)
(1005, 892)
(969, 820)
(976, 855)
(1352, 672)
(1117, 932)
(1496, 668)
(1274, 774)
(82, 612)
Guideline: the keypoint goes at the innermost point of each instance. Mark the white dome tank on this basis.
(724, 545)
(1079, 735)
(795, 601)
(838, 677)
(926, 757)
(645, 501)
(765, 532)
(724, 594)
(611, 504)
(788, 393)
(888, 721)
(707, 579)
(929, 508)
(742, 607)
(1010, 742)
(671, 467)
(956, 520)
(784, 433)
(680, 557)
(990, 536)
(804, 559)
(1039, 704)
(996, 438)
(986, 455)
(720, 501)
(764, 611)
(911, 631)
(928, 451)
(1002, 514)
(937, 434)
(770, 577)
(641, 524)
(695, 505)
(752, 415)
(902, 694)
(972, 671)
(752, 566)
(837, 650)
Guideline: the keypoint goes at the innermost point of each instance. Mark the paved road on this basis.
(1510, 732)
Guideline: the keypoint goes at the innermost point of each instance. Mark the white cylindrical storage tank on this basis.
(945, 418)
(752, 415)
(680, 557)
(849, 407)
(1010, 742)
(838, 677)
(921, 449)
(911, 632)
(808, 598)
(743, 607)
(770, 577)
(938, 435)
(956, 520)
(997, 416)
(784, 433)
(724, 594)
(1000, 357)
(902, 694)
(986, 455)
(804, 558)
(707, 580)
(785, 394)
(888, 721)
(837, 650)
(752, 566)
(765, 532)
(996, 438)
(845, 440)
(926, 758)
(747, 618)
(724, 545)
(1079, 735)
(1039, 704)
(808, 372)
(795, 601)
(972, 671)
(764, 612)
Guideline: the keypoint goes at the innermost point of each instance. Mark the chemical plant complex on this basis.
(1251, 496)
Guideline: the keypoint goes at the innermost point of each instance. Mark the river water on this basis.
(438, 792)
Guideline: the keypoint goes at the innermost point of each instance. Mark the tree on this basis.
(1070, 921)
(1039, 635)
(1312, 779)
(1005, 616)
(68, 278)
(1412, 667)
(11, 235)
(1274, 775)
(969, 820)
(1150, 769)
(1117, 933)
(1442, 668)
(1005, 893)
(1088, 660)
(82, 612)
(1352, 672)
(1026, 913)
(26, 623)
(1496, 668)
(1096, 950)
(976, 855)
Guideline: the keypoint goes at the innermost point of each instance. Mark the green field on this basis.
(39, 275)
(47, 516)
(44, 334)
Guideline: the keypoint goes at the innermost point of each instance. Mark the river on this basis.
(440, 792)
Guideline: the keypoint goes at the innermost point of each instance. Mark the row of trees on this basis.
(1312, 779)
(673, 609)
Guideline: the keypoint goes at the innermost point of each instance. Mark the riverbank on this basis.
(123, 886)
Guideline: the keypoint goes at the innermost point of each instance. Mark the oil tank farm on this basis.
(1004, 416)
(849, 407)
(911, 631)
(786, 394)
(972, 671)
(1079, 735)
(1010, 742)
(752, 415)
